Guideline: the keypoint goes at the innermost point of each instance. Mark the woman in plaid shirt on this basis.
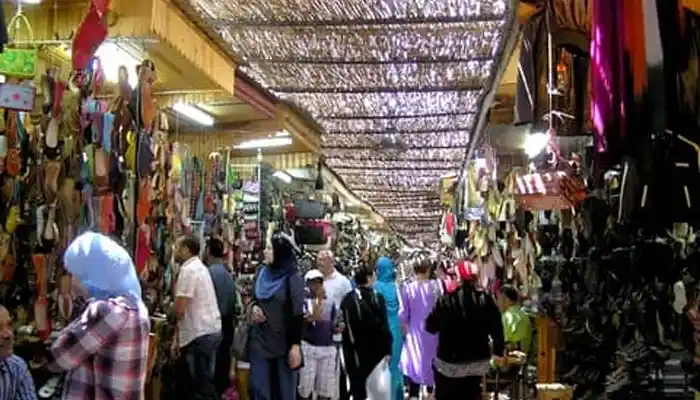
(104, 351)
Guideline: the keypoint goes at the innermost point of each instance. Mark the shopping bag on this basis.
(378, 383)
(17, 97)
(18, 62)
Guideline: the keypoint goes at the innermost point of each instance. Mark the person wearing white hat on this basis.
(318, 377)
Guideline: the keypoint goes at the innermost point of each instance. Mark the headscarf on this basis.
(386, 283)
(284, 263)
(103, 267)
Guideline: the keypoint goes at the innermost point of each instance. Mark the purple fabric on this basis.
(416, 302)
(320, 333)
(607, 75)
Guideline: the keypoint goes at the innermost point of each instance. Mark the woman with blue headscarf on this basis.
(277, 314)
(386, 286)
(105, 350)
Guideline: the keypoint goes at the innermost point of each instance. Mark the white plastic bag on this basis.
(378, 384)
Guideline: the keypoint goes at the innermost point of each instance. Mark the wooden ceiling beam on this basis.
(300, 130)
(163, 20)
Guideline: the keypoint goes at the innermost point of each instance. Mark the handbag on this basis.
(312, 232)
(241, 334)
(17, 97)
(309, 209)
(17, 62)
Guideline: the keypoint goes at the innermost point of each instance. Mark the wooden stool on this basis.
(546, 349)
(554, 391)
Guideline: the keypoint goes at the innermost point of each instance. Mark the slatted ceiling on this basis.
(200, 144)
(277, 161)
(281, 161)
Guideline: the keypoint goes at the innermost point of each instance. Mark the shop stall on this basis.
(92, 113)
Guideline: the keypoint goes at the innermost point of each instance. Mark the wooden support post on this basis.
(546, 349)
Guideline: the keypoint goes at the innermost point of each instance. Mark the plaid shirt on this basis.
(105, 352)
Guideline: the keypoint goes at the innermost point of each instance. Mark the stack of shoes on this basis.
(612, 322)
(632, 378)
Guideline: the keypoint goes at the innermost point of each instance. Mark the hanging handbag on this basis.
(309, 209)
(312, 232)
(241, 335)
(18, 62)
(17, 97)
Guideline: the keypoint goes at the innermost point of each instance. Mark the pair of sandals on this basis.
(52, 388)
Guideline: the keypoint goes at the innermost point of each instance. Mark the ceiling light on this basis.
(264, 143)
(535, 143)
(112, 57)
(282, 133)
(283, 176)
(30, 1)
(194, 113)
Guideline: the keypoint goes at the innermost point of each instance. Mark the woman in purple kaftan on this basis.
(416, 302)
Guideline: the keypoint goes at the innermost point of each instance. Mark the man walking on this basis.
(225, 289)
(199, 320)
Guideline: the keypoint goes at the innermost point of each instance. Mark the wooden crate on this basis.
(546, 349)
(554, 391)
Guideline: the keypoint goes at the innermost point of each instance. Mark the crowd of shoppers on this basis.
(317, 336)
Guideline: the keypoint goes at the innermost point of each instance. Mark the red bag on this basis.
(554, 190)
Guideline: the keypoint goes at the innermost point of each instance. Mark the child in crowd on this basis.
(318, 374)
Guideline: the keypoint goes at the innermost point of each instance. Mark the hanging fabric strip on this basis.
(607, 105)
(656, 96)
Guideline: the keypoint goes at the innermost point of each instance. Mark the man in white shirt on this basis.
(199, 320)
(336, 286)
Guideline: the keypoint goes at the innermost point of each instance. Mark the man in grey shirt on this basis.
(225, 289)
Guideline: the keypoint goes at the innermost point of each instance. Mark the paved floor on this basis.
(674, 379)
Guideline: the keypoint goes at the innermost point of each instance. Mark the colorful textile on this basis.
(105, 351)
(607, 75)
(417, 301)
(386, 286)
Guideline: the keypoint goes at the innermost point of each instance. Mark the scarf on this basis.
(270, 279)
(103, 267)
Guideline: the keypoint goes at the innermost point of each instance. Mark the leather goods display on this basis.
(309, 209)
(312, 232)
